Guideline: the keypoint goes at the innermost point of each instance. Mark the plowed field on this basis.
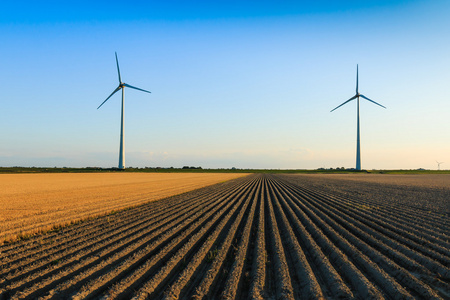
(258, 237)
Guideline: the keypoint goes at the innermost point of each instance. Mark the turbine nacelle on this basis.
(122, 85)
(357, 95)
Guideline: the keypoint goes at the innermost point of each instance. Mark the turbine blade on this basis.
(118, 70)
(356, 78)
(352, 98)
(130, 86)
(118, 88)
(371, 100)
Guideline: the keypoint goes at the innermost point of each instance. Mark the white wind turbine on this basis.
(357, 95)
(122, 86)
(439, 165)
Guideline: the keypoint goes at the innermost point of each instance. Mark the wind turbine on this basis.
(357, 95)
(439, 165)
(122, 86)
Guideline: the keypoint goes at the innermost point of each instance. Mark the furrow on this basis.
(262, 236)
(211, 248)
(90, 261)
(147, 258)
(283, 286)
(175, 262)
(342, 262)
(258, 275)
(403, 276)
(85, 241)
(235, 277)
(361, 258)
(431, 223)
(316, 257)
(96, 259)
(89, 227)
(95, 247)
(203, 290)
(309, 287)
(427, 257)
(404, 227)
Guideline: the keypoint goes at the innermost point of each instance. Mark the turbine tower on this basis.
(122, 86)
(358, 144)
(439, 165)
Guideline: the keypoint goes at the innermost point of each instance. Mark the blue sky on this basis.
(247, 84)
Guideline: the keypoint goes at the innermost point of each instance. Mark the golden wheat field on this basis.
(36, 203)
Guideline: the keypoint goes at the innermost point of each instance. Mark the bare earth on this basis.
(431, 180)
(261, 236)
(33, 203)
(428, 192)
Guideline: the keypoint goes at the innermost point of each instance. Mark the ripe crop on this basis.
(36, 203)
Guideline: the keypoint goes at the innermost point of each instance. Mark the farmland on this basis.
(262, 236)
(36, 203)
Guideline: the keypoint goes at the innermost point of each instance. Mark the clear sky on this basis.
(246, 84)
